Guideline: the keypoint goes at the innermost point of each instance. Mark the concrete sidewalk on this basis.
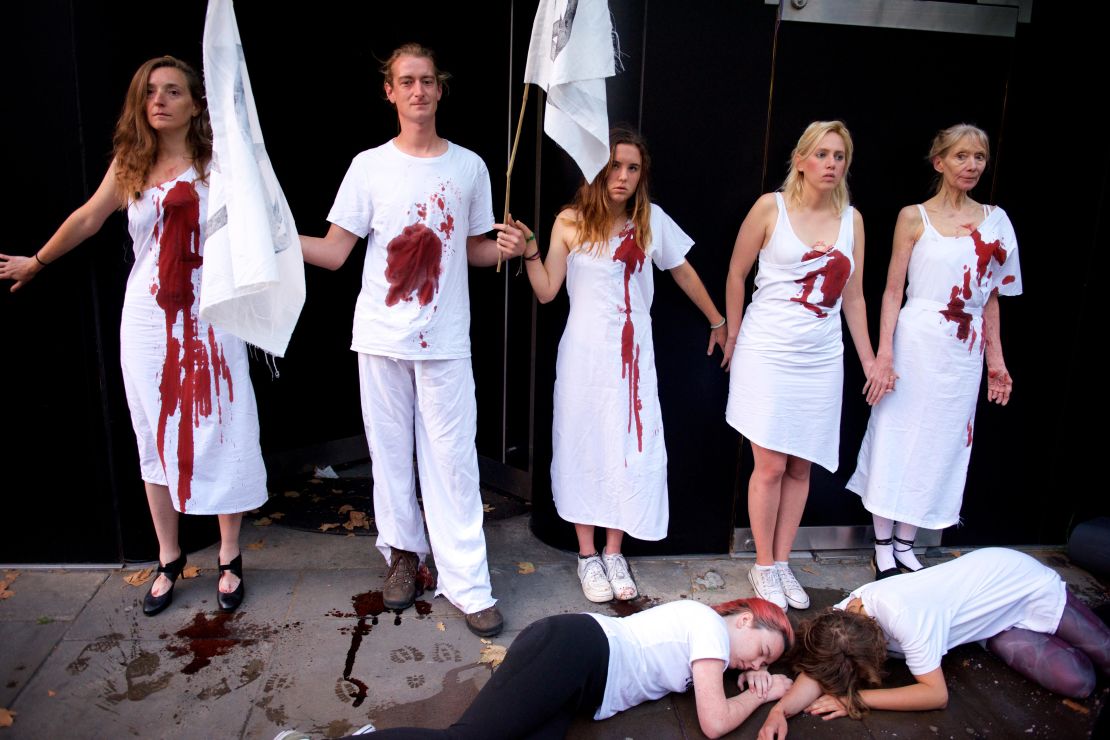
(79, 659)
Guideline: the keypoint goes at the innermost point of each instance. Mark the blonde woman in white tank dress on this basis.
(959, 256)
(786, 354)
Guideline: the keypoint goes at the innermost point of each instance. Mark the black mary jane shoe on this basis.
(902, 567)
(154, 604)
(889, 572)
(231, 601)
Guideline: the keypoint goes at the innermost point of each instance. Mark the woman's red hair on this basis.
(765, 615)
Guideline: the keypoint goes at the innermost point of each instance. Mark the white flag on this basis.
(570, 55)
(252, 284)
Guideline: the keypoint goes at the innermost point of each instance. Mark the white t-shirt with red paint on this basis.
(416, 213)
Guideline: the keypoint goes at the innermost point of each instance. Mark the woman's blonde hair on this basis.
(592, 199)
(950, 137)
(810, 138)
(135, 142)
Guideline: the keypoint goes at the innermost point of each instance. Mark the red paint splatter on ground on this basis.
(632, 256)
(969, 432)
(367, 605)
(635, 606)
(413, 265)
(1008, 279)
(423, 608)
(834, 273)
(187, 374)
(206, 638)
(955, 311)
(984, 251)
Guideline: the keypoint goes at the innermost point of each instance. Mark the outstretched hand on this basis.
(18, 268)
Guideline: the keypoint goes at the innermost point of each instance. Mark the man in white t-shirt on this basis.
(424, 206)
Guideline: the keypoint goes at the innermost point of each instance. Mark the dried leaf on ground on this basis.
(345, 508)
(263, 522)
(524, 568)
(487, 508)
(6, 717)
(956, 553)
(6, 581)
(51, 692)
(255, 545)
(1076, 706)
(190, 571)
(292, 494)
(140, 577)
(809, 570)
(492, 655)
(277, 515)
(358, 519)
(441, 626)
(326, 527)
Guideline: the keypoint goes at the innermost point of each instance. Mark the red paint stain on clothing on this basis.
(955, 311)
(834, 274)
(632, 256)
(421, 210)
(969, 432)
(439, 202)
(447, 226)
(423, 344)
(413, 265)
(984, 251)
(1008, 279)
(187, 373)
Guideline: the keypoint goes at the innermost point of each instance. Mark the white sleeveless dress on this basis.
(609, 461)
(913, 462)
(787, 372)
(188, 383)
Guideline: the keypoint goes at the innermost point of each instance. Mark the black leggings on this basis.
(554, 670)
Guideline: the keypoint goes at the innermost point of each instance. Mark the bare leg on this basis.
(884, 530)
(585, 534)
(792, 504)
(229, 548)
(764, 499)
(613, 538)
(165, 529)
(1046, 660)
(1080, 627)
(903, 553)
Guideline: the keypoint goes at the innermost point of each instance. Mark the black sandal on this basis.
(908, 547)
(229, 602)
(889, 572)
(154, 604)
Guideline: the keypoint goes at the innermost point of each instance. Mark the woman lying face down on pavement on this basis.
(1021, 608)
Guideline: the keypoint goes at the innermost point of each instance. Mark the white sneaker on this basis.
(766, 583)
(595, 583)
(795, 595)
(624, 588)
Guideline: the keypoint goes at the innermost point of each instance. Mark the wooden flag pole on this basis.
(512, 159)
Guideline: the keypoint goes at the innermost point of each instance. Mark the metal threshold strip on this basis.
(847, 537)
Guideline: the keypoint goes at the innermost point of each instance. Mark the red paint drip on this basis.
(834, 273)
(413, 265)
(955, 311)
(421, 210)
(969, 432)
(220, 370)
(447, 226)
(984, 251)
(439, 202)
(187, 375)
(632, 256)
(974, 336)
(1008, 279)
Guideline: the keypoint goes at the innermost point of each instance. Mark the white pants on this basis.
(433, 402)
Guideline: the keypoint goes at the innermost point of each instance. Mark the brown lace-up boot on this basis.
(400, 582)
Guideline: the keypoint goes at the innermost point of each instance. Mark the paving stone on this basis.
(50, 594)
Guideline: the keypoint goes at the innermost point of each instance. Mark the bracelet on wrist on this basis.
(534, 256)
(719, 324)
(39, 260)
(530, 238)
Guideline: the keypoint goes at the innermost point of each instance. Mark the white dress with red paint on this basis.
(787, 372)
(913, 463)
(187, 383)
(609, 463)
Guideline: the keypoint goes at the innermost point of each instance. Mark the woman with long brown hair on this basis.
(609, 463)
(787, 367)
(187, 382)
(1021, 608)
